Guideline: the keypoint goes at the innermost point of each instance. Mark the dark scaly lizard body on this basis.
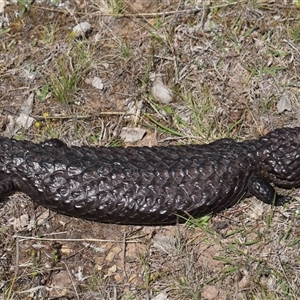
(150, 186)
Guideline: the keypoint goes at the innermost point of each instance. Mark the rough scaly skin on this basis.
(150, 186)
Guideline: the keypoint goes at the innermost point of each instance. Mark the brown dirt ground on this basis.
(228, 65)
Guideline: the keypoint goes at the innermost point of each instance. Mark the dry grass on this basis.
(228, 64)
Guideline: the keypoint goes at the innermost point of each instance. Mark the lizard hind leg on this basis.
(6, 187)
(263, 191)
(57, 143)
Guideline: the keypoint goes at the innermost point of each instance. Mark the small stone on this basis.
(164, 243)
(284, 104)
(81, 29)
(97, 83)
(161, 92)
(110, 256)
(2, 5)
(210, 25)
(131, 135)
(209, 292)
(160, 296)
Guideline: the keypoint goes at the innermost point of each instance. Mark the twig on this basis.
(140, 15)
(129, 239)
(204, 15)
(16, 268)
(64, 117)
(71, 279)
(283, 270)
(124, 255)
